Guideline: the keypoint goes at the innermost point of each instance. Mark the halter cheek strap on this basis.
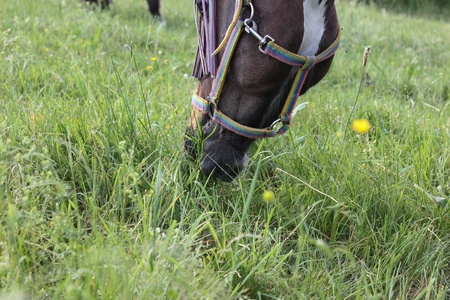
(268, 46)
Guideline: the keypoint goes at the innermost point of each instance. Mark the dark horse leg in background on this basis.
(103, 3)
(153, 7)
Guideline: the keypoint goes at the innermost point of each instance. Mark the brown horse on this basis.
(153, 6)
(274, 51)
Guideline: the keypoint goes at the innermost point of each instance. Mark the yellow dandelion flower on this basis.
(361, 125)
(46, 30)
(153, 58)
(268, 196)
(148, 68)
(46, 49)
(165, 61)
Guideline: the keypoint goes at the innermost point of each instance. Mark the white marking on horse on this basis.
(314, 22)
(314, 28)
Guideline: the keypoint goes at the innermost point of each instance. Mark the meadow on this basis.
(98, 200)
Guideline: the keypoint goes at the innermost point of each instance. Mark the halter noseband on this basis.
(268, 46)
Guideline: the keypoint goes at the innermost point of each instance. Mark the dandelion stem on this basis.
(361, 79)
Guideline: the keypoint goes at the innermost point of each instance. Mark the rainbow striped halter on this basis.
(267, 46)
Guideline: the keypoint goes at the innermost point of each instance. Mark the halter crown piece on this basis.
(205, 63)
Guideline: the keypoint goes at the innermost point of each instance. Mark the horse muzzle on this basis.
(221, 161)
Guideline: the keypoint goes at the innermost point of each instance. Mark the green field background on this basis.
(98, 200)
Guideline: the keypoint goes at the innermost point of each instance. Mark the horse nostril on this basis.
(208, 166)
(224, 171)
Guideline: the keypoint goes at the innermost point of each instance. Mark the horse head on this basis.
(270, 52)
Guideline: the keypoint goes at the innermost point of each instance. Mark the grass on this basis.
(430, 9)
(97, 199)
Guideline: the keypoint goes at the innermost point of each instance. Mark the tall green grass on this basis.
(426, 8)
(97, 199)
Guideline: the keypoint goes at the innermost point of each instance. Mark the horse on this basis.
(270, 53)
(153, 6)
(103, 3)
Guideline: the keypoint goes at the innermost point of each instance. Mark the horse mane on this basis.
(205, 14)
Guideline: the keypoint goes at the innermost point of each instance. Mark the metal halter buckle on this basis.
(252, 28)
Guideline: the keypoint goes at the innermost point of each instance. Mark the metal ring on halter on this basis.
(274, 123)
(252, 11)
